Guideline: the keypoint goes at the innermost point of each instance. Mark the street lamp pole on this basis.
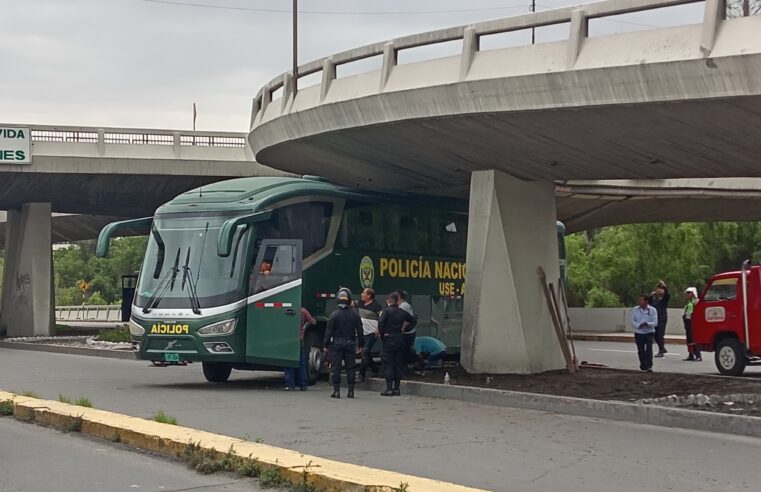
(295, 68)
(533, 9)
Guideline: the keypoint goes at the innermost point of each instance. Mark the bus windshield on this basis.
(182, 249)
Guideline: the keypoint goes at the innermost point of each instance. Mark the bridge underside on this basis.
(109, 194)
(700, 138)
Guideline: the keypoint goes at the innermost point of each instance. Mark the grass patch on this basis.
(249, 468)
(163, 418)
(208, 461)
(30, 394)
(6, 408)
(64, 399)
(271, 478)
(114, 335)
(74, 424)
(403, 487)
(83, 401)
(204, 461)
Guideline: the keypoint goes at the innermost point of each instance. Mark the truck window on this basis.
(724, 289)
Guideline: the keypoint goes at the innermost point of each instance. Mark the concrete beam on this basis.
(511, 231)
(27, 299)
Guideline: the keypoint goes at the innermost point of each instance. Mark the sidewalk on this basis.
(591, 336)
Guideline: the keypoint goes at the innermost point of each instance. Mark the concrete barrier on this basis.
(616, 320)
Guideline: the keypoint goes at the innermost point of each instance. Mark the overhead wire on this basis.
(334, 12)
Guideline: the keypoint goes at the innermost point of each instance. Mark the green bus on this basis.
(228, 267)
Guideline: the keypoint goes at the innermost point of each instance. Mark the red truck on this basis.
(727, 319)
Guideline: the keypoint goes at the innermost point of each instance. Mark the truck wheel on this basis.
(313, 346)
(729, 356)
(216, 372)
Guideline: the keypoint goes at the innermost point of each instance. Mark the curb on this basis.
(61, 349)
(172, 440)
(612, 410)
(614, 337)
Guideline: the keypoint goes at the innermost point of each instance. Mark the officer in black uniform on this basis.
(392, 323)
(344, 338)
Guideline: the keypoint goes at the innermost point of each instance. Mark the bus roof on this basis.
(257, 193)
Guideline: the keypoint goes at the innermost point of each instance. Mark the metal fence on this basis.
(111, 312)
(135, 136)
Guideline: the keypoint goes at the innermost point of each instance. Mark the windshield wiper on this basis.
(166, 281)
(187, 277)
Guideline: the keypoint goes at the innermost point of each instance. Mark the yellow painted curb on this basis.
(326, 475)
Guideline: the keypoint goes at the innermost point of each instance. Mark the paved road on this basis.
(483, 446)
(37, 459)
(624, 356)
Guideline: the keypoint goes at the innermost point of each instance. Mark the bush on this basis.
(6, 407)
(599, 297)
(271, 478)
(114, 335)
(96, 299)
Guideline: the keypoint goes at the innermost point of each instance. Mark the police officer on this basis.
(392, 323)
(344, 338)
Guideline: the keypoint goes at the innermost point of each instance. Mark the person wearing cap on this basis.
(692, 348)
(343, 336)
(392, 323)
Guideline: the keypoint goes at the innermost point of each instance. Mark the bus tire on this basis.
(729, 356)
(315, 356)
(216, 372)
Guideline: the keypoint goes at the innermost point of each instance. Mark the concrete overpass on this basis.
(102, 173)
(508, 123)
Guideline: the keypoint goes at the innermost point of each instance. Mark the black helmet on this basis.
(343, 297)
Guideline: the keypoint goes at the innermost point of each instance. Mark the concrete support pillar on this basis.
(511, 231)
(28, 298)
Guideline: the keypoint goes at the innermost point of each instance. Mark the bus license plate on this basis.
(172, 357)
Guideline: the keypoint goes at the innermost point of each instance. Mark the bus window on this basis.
(276, 265)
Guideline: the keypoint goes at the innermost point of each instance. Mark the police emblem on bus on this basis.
(366, 272)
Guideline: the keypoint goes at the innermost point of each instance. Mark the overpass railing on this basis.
(111, 312)
(577, 16)
(135, 136)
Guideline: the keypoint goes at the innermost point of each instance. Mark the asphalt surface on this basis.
(483, 446)
(38, 459)
(622, 355)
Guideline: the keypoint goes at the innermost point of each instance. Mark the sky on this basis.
(143, 63)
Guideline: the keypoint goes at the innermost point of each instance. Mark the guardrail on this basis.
(108, 313)
(133, 136)
(577, 16)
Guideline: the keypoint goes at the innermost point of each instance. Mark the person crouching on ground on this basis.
(343, 336)
(392, 323)
(692, 348)
(644, 319)
(431, 351)
(297, 376)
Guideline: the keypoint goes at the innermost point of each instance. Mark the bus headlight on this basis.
(135, 329)
(226, 327)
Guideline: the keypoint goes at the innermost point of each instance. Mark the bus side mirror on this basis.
(227, 232)
(134, 227)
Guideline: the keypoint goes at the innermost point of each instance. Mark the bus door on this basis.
(274, 308)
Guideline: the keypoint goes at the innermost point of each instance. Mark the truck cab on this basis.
(727, 319)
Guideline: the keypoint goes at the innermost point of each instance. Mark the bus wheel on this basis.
(729, 356)
(216, 372)
(314, 356)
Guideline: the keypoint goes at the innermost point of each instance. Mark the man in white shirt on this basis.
(644, 319)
